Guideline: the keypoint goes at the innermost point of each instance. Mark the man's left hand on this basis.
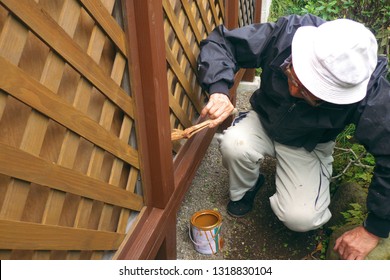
(356, 244)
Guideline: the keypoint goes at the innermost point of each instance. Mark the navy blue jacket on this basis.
(291, 121)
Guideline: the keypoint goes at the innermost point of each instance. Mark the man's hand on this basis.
(356, 244)
(218, 108)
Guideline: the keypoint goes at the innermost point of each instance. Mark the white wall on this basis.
(265, 7)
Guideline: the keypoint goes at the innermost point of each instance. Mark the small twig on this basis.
(343, 172)
(355, 162)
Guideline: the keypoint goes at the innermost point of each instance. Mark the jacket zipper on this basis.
(290, 109)
(276, 126)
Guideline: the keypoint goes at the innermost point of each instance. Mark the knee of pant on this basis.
(234, 147)
(300, 220)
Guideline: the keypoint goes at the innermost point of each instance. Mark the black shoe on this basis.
(243, 206)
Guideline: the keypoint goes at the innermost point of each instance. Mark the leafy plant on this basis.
(326, 10)
(352, 161)
(354, 216)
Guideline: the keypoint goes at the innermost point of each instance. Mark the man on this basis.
(317, 77)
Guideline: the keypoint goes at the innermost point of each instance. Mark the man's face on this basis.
(298, 90)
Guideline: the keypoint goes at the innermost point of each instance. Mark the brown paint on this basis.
(206, 219)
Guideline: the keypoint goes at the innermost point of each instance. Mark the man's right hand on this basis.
(356, 244)
(218, 108)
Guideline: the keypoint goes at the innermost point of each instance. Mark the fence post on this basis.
(153, 103)
(147, 66)
(231, 12)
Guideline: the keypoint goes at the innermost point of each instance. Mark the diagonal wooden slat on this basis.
(191, 19)
(109, 25)
(48, 30)
(179, 112)
(18, 84)
(214, 12)
(221, 6)
(180, 34)
(30, 236)
(182, 79)
(27, 167)
(203, 15)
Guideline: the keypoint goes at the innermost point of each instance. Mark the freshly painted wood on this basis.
(30, 236)
(27, 167)
(108, 24)
(29, 91)
(44, 26)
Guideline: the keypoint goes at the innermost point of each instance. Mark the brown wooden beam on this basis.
(145, 25)
(258, 10)
(249, 75)
(168, 247)
(231, 14)
(147, 67)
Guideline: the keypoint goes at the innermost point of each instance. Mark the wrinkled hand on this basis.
(218, 109)
(356, 244)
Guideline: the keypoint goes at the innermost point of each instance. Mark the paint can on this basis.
(205, 231)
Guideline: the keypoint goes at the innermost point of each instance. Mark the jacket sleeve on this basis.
(224, 52)
(373, 131)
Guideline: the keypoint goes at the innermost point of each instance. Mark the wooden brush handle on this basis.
(190, 131)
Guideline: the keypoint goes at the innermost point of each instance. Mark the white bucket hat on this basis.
(335, 60)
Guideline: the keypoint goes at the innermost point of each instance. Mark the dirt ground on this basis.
(259, 235)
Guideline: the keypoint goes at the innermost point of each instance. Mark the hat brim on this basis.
(302, 50)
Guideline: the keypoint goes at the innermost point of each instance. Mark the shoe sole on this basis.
(238, 216)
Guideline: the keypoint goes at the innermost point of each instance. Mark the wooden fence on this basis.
(89, 92)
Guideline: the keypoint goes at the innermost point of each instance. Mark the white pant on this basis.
(302, 178)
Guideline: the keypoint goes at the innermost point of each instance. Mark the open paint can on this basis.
(205, 231)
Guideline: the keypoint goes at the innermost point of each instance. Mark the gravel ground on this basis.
(259, 235)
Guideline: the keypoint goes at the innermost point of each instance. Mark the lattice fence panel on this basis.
(246, 12)
(69, 165)
(186, 23)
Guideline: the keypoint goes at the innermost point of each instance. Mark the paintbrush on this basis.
(178, 134)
